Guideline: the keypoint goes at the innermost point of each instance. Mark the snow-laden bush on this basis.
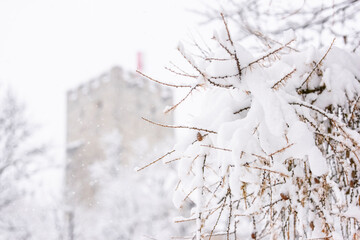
(271, 149)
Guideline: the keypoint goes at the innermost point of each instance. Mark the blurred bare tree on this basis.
(313, 21)
(21, 158)
(14, 157)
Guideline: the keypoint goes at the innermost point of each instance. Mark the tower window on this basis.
(99, 104)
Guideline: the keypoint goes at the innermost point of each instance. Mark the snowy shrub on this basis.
(271, 149)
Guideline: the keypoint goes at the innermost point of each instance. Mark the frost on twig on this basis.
(283, 80)
(318, 64)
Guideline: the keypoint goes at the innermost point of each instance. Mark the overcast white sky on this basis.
(48, 46)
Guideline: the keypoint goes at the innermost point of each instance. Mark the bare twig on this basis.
(191, 63)
(223, 149)
(281, 150)
(219, 84)
(268, 55)
(218, 59)
(180, 73)
(232, 44)
(182, 100)
(217, 220)
(172, 126)
(267, 170)
(155, 161)
(188, 195)
(185, 220)
(162, 83)
(243, 109)
(176, 159)
(319, 89)
(353, 109)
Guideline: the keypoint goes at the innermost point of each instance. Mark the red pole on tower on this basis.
(139, 61)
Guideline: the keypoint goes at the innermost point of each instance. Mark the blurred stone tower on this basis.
(115, 101)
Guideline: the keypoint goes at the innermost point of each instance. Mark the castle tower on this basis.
(115, 101)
